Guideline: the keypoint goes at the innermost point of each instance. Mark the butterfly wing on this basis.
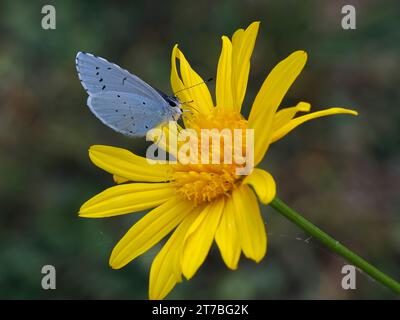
(98, 75)
(118, 98)
(127, 113)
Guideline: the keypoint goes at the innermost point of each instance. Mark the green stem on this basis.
(334, 245)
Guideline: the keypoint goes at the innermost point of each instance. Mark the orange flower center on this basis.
(211, 174)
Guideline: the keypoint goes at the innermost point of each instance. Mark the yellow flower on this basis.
(202, 202)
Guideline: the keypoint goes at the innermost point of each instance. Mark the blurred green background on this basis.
(341, 172)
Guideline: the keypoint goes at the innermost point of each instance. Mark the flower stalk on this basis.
(335, 245)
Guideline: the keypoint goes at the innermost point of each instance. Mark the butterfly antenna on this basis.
(187, 102)
(190, 107)
(195, 85)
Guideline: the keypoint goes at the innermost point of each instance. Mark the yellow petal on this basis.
(165, 284)
(227, 237)
(224, 77)
(127, 198)
(176, 82)
(237, 39)
(199, 93)
(200, 236)
(179, 88)
(166, 270)
(149, 230)
(263, 184)
(269, 97)
(242, 48)
(125, 164)
(284, 130)
(283, 116)
(251, 227)
(118, 179)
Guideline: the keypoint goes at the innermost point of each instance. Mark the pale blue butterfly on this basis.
(121, 100)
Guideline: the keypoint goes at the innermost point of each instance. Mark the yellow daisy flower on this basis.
(200, 203)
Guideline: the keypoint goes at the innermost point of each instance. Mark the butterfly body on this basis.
(121, 100)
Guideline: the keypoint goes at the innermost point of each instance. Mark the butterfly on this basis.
(121, 100)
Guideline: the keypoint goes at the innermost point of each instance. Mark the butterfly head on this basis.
(175, 105)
